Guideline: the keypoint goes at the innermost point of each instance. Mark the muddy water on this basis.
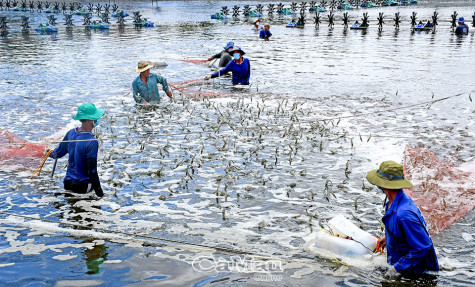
(246, 171)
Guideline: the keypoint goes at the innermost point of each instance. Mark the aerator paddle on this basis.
(397, 20)
(270, 8)
(330, 19)
(346, 19)
(259, 8)
(413, 19)
(236, 11)
(454, 20)
(317, 19)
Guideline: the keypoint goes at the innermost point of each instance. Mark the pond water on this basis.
(247, 172)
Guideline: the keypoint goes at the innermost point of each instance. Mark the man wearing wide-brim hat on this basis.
(409, 246)
(240, 68)
(145, 86)
(82, 146)
(462, 28)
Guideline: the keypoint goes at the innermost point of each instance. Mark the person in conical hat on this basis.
(145, 86)
(82, 146)
(256, 24)
(409, 245)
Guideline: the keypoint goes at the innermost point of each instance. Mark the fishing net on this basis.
(188, 83)
(194, 61)
(196, 94)
(442, 191)
(17, 153)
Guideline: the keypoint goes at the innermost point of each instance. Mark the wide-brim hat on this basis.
(88, 111)
(390, 175)
(236, 49)
(461, 20)
(256, 20)
(229, 45)
(143, 66)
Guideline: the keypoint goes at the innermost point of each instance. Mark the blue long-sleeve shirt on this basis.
(84, 146)
(265, 34)
(409, 246)
(461, 29)
(149, 92)
(241, 72)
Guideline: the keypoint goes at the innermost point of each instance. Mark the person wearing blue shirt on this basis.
(82, 146)
(145, 86)
(409, 245)
(240, 68)
(462, 28)
(265, 33)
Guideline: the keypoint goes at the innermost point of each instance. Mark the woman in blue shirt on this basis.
(240, 67)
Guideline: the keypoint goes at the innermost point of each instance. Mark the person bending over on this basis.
(224, 56)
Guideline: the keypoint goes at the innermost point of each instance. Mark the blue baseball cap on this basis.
(229, 45)
(461, 20)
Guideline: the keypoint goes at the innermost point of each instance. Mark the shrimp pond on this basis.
(227, 174)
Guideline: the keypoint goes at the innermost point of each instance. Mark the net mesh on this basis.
(196, 94)
(18, 153)
(443, 192)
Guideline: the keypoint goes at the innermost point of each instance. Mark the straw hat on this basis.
(88, 111)
(143, 66)
(256, 20)
(390, 175)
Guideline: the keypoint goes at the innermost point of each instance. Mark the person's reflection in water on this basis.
(95, 257)
(77, 215)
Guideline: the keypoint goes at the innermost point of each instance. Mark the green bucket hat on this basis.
(88, 111)
(390, 175)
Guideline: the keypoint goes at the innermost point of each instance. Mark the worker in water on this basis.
(240, 68)
(224, 56)
(145, 86)
(256, 25)
(462, 28)
(82, 146)
(409, 246)
(265, 33)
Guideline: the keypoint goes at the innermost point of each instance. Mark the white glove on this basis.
(207, 77)
(392, 272)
